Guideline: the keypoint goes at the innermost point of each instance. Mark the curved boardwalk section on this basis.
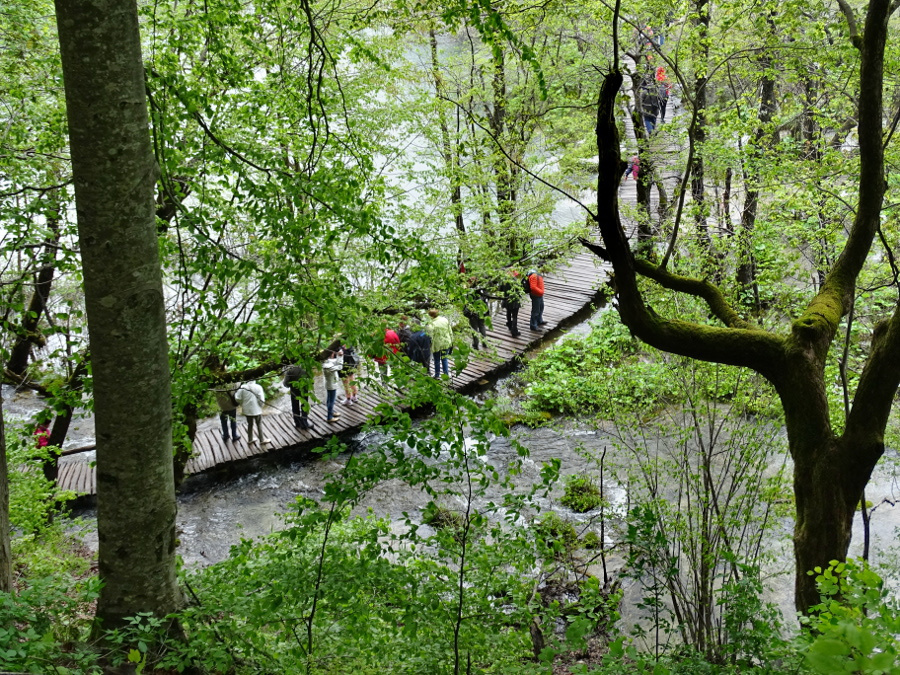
(570, 291)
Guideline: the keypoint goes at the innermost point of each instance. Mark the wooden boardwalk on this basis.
(569, 291)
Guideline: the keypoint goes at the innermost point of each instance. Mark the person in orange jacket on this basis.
(534, 286)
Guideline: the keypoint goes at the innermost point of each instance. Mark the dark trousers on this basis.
(512, 319)
(537, 311)
(300, 410)
(223, 418)
(476, 321)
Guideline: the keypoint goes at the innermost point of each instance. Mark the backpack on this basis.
(351, 360)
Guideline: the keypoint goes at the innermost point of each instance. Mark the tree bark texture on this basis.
(5, 549)
(830, 471)
(115, 175)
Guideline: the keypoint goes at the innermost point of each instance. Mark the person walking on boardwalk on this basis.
(348, 375)
(252, 398)
(404, 332)
(228, 404)
(300, 384)
(441, 335)
(534, 286)
(664, 88)
(649, 105)
(331, 368)
(511, 301)
(418, 348)
(391, 346)
(634, 167)
(475, 310)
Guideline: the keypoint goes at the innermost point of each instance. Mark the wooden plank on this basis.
(90, 486)
(83, 483)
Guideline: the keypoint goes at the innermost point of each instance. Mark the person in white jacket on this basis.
(331, 368)
(252, 398)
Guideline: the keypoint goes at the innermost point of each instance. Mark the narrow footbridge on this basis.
(569, 292)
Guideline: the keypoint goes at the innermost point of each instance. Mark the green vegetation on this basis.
(581, 494)
(311, 171)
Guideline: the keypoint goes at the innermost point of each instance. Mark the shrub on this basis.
(581, 494)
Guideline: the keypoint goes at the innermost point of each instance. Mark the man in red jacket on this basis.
(534, 286)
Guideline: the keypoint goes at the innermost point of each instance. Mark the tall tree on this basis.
(115, 174)
(5, 551)
(831, 465)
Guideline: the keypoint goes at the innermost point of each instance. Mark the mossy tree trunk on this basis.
(114, 175)
(830, 470)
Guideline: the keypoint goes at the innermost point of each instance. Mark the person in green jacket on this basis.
(441, 341)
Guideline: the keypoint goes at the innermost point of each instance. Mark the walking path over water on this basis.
(572, 289)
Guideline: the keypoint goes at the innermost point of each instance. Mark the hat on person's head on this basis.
(530, 272)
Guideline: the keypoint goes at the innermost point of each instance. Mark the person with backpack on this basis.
(348, 375)
(634, 167)
(391, 346)
(649, 105)
(441, 335)
(331, 368)
(534, 286)
(252, 398)
(300, 385)
(511, 301)
(475, 310)
(227, 410)
(418, 348)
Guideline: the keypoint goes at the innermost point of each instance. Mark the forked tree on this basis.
(831, 469)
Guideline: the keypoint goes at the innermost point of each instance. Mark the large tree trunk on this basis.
(5, 549)
(115, 174)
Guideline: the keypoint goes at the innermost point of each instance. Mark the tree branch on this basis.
(700, 288)
(851, 24)
(738, 346)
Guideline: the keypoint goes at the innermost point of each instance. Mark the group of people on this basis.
(431, 344)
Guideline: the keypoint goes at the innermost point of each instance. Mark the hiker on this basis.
(418, 348)
(404, 332)
(391, 346)
(663, 89)
(534, 286)
(252, 398)
(41, 435)
(511, 301)
(300, 384)
(634, 167)
(331, 368)
(649, 105)
(348, 375)
(475, 309)
(441, 335)
(227, 409)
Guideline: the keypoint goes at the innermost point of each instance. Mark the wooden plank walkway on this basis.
(573, 288)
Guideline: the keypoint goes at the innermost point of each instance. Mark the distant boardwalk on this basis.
(569, 291)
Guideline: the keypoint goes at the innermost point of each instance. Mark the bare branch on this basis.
(851, 23)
